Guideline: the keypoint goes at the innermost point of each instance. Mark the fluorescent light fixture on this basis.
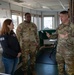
(45, 7)
(29, 4)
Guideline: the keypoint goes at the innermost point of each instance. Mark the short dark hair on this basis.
(27, 13)
(64, 12)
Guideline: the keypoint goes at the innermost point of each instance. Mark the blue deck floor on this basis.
(45, 62)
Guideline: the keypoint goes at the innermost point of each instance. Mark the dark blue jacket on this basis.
(10, 45)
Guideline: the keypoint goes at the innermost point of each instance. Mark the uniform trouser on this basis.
(65, 62)
(29, 54)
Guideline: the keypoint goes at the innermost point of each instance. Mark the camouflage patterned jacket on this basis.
(65, 42)
(27, 32)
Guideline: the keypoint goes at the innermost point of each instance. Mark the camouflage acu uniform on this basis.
(27, 36)
(65, 50)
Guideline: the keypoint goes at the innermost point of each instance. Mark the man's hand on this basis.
(64, 35)
(48, 35)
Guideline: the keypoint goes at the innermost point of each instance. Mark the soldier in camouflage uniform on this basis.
(29, 41)
(65, 46)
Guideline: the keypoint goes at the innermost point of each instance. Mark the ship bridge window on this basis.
(49, 22)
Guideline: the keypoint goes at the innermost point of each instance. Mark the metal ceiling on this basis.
(43, 5)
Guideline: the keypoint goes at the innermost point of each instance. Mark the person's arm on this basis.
(19, 37)
(18, 32)
(72, 28)
(72, 33)
(5, 46)
(36, 37)
(53, 36)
